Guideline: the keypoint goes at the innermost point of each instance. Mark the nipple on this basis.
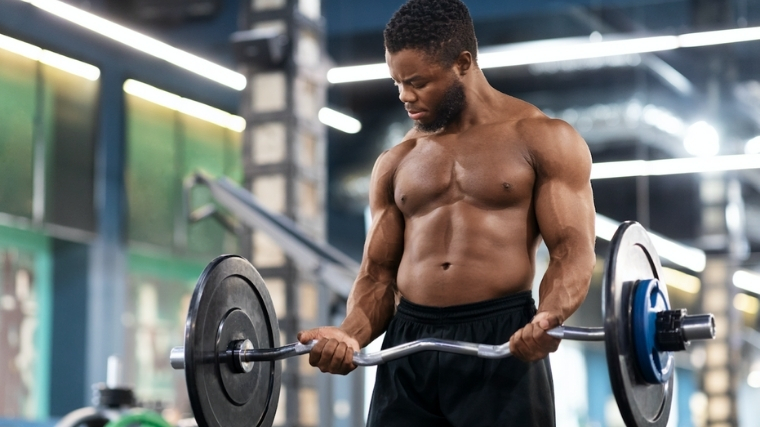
(506, 185)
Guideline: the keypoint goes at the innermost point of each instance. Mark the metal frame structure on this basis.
(281, 46)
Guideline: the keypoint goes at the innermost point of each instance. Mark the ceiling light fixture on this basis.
(746, 280)
(184, 105)
(752, 146)
(631, 168)
(554, 50)
(64, 63)
(143, 43)
(702, 140)
(339, 121)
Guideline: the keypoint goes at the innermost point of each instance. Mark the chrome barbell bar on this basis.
(700, 326)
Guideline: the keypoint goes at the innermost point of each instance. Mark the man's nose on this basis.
(406, 95)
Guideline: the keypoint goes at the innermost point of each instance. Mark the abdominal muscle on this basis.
(459, 254)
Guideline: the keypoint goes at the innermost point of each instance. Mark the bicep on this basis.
(563, 197)
(385, 239)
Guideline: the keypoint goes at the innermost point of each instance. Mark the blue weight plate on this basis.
(649, 298)
(230, 303)
(632, 258)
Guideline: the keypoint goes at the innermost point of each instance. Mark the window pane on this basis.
(71, 156)
(153, 188)
(17, 102)
(205, 148)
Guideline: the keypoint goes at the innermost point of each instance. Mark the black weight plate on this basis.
(230, 291)
(632, 258)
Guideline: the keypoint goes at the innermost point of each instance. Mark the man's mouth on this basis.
(415, 114)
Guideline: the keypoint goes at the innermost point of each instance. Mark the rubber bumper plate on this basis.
(230, 304)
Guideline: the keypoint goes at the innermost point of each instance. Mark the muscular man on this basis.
(458, 211)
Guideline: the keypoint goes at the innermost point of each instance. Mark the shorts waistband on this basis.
(466, 312)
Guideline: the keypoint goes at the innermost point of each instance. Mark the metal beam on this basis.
(334, 269)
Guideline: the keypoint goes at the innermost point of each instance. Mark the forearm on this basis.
(566, 281)
(370, 307)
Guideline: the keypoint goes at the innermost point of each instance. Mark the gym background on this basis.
(102, 121)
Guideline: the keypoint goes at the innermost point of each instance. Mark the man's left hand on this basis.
(532, 342)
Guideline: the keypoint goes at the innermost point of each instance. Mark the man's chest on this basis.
(491, 176)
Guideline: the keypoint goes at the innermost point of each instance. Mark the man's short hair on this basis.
(441, 28)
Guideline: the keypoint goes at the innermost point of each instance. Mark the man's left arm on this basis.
(564, 208)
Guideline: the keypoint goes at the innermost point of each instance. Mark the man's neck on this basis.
(480, 102)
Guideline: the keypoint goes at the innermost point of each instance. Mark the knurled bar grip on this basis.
(485, 351)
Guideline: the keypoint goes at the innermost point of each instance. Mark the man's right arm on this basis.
(372, 301)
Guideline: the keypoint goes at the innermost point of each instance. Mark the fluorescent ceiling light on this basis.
(748, 281)
(564, 50)
(753, 379)
(583, 50)
(143, 43)
(692, 258)
(340, 121)
(663, 119)
(64, 63)
(709, 38)
(674, 166)
(358, 73)
(605, 227)
(681, 281)
(20, 48)
(89, 72)
(184, 105)
(753, 146)
(746, 303)
(702, 140)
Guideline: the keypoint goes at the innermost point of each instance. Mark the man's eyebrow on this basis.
(410, 79)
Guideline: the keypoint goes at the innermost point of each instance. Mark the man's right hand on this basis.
(334, 351)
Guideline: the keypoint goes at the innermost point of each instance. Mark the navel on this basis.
(446, 265)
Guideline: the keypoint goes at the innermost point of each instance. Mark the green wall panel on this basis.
(164, 147)
(204, 150)
(153, 189)
(17, 114)
(71, 111)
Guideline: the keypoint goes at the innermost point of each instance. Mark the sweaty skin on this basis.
(458, 214)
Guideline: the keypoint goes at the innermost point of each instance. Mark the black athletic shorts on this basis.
(436, 389)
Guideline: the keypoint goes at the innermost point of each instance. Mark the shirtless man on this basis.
(458, 211)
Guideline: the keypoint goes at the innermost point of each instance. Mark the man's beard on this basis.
(451, 106)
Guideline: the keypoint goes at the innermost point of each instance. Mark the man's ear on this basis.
(463, 63)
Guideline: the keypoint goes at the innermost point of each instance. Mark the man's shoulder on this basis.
(389, 159)
(400, 150)
(528, 121)
(552, 143)
(537, 129)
